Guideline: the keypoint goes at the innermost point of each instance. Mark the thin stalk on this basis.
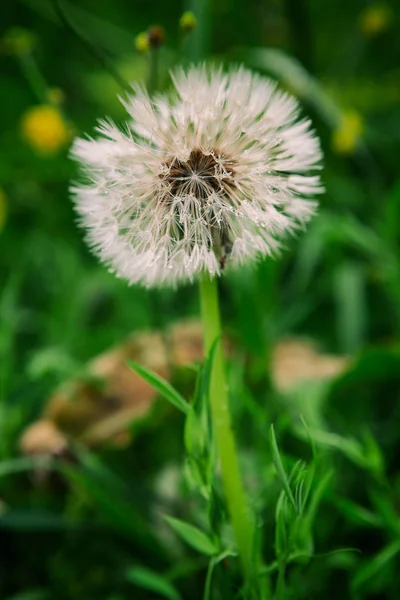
(38, 83)
(153, 80)
(196, 47)
(96, 51)
(242, 522)
(35, 78)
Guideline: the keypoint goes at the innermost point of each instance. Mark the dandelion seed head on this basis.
(214, 176)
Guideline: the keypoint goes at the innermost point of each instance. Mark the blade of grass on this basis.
(162, 386)
(280, 468)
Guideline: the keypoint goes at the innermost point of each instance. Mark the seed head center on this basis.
(200, 175)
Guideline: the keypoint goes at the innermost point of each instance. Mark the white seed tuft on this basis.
(216, 176)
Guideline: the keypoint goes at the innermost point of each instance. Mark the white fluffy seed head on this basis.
(214, 177)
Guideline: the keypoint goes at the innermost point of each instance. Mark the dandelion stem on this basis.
(242, 522)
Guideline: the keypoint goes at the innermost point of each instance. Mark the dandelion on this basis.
(44, 128)
(215, 175)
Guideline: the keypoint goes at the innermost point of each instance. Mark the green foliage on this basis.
(34, 595)
(161, 386)
(200, 455)
(193, 536)
(149, 580)
(296, 511)
(95, 484)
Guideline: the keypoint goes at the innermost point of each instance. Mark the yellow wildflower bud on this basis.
(3, 208)
(375, 19)
(187, 22)
(346, 136)
(44, 128)
(142, 43)
(17, 41)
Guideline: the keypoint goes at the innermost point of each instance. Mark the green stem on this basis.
(96, 51)
(196, 47)
(152, 85)
(242, 522)
(34, 77)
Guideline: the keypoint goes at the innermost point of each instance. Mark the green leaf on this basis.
(292, 74)
(358, 514)
(31, 595)
(98, 470)
(198, 466)
(213, 562)
(299, 478)
(35, 520)
(112, 505)
(197, 432)
(162, 386)
(316, 497)
(280, 468)
(308, 256)
(348, 446)
(152, 581)
(203, 383)
(386, 510)
(391, 215)
(372, 567)
(193, 432)
(193, 536)
(373, 455)
(350, 293)
(20, 465)
(249, 322)
(53, 361)
(283, 514)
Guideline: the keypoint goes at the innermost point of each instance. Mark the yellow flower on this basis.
(375, 19)
(3, 208)
(142, 43)
(347, 135)
(44, 128)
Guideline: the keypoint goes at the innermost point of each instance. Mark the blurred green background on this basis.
(80, 533)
